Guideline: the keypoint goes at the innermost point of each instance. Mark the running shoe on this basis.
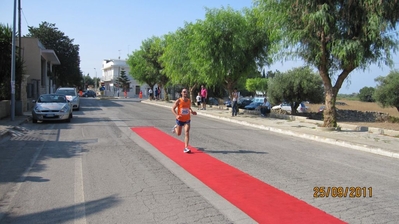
(174, 128)
(186, 150)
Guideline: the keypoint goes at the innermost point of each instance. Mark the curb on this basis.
(364, 148)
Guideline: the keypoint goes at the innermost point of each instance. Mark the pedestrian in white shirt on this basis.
(265, 108)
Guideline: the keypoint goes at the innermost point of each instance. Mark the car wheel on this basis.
(70, 115)
(34, 120)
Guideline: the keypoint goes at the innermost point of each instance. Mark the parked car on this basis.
(71, 95)
(52, 107)
(321, 109)
(227, 103)
(258, 99)
(242, 102)
(213, 101)
(282, 106)
(253, 105)
(89, 93)
(302, 108)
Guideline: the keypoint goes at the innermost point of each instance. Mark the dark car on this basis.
(213, 101)
(244, 102)
(89, 93)
(253, 105)
(227, 103)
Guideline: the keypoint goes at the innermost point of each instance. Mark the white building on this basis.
(111, 70)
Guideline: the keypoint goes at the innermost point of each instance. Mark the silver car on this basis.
(302, 108)
(52, 107)
(71, 95)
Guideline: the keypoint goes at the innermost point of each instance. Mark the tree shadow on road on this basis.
(64, 214)
(240, 151)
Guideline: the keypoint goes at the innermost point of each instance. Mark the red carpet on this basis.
(262, 202)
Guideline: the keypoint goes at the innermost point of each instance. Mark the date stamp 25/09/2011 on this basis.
(342, 192)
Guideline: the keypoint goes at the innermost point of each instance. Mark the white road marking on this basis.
(80, 208)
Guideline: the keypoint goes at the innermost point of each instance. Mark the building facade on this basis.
(38, 67)
(111, 71)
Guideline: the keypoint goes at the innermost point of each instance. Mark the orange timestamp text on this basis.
(342, 192)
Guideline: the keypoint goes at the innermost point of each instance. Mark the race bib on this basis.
(185, 111)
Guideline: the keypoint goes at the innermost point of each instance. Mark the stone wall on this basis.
(353, 115)
(5, 108)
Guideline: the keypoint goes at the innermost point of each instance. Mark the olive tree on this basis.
(336, 37)
(387, 90)
(256, 84)
(366, 94)
(295, 86)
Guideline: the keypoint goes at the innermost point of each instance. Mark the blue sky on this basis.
(112, 29)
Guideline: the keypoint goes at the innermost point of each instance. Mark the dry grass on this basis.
(361, 106)
(365, 106)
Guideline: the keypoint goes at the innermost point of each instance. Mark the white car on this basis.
(302, 108)
(50, 107)
(71, 95)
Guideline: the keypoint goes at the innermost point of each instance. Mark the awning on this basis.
(50, 56)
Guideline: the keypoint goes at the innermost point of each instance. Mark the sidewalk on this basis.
(13, 128)
(373, 140)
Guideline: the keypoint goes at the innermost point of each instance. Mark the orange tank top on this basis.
(184, 109)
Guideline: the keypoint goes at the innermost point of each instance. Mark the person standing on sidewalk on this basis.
(199, 98)
(150, 92)
(204, 95)
(183, 119)
(234, 100)
(156, 93)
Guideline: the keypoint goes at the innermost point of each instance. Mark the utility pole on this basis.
(95, 83)
(19, 29)
(13, 65)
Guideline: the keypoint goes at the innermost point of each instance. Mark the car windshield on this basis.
(66, 92)
(52, 99)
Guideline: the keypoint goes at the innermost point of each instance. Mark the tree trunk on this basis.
(192, 96)
(166, 95)
(230, 87)
(294, 105)
(330, 112)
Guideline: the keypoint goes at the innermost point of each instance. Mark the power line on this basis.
(24, 17)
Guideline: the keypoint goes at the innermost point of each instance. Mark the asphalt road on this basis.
(93, 171)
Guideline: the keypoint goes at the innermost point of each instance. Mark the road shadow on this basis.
(16, 157)
(240, 151)
(64, 214)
